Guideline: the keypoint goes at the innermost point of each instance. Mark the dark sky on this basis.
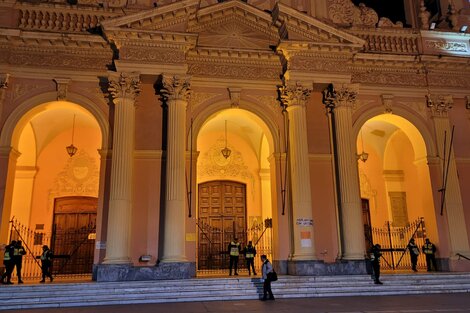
(393, 9)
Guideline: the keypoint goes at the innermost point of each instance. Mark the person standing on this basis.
(46, 263)
(265, 270)
(414, 253)
(250, 252)
(8, 262)
(375, 255)
(429, 249)
(18, 252)
(234, 250)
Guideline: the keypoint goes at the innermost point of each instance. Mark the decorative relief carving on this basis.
(80, 177)
(440, 105)
(449, 80)
(235, 94)
(124, 85)
(235, 71)
(198, 98)
(4, 79)
(346, 13)
(62, 86)
(387, 101)
(151, 55)
(270, 102)
(442, 44)
(361, 103)
(418, 107)
(341, 95)
(213, 164)
(176, 88)
(292, 95)
(318, 64)
(386, 78)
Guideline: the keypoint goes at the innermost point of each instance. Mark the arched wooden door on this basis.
(221, 217)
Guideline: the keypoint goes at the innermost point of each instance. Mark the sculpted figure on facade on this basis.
(124, 85)
(176, 88)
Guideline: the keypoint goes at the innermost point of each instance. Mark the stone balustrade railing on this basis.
(389, 40)
(61, 18)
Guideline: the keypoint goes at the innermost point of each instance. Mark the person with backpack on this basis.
(267, 272)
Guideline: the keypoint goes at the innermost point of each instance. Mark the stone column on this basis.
(341, 102)
(175, 92)
(124, 87)
(8, 158)
(294, 98)
(453, 206)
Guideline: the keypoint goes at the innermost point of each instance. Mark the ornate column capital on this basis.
(343, 96)
(62, 87)
(176, 88)
(439, 105)
(292, 95)
(124, 85)
(4, 78)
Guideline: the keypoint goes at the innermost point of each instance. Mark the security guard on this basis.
(429, 249)
(250, 252)
(234, 251)
(414, 253)
(46, 263)
(375, 255)
(8, 262)
(18, 252)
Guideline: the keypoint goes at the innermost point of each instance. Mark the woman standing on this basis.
(265, 270)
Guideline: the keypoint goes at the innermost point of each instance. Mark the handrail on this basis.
(462, 256)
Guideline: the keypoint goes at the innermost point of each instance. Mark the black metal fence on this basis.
(73, 250)
(394, 242)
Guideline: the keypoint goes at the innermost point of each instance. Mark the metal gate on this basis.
(394, 242)
(213, 257)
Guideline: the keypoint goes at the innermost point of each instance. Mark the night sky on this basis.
(393, 9)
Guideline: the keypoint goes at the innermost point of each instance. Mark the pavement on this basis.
(442, 303)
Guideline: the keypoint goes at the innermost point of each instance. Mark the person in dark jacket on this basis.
(18, 252)
(46, 263)
(429, 249)
(265, 270)
(414, 253)
(234, 250)
(8, 262)
(250, 252)
(375, 255)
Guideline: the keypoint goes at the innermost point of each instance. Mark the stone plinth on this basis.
(319, 268)
(117, 272)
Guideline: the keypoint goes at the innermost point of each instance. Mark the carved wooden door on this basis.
(222, 216)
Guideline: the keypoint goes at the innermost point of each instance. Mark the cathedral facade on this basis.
(162, 130)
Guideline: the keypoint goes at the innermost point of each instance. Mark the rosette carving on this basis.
(124, 85)
(176, 88)
(345, 12)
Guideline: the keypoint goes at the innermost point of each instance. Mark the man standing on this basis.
(18, 252)
(265, 270)
(46, 263)
(429, 249)
(375, 255)
(8, 262)
(234, 251)
(250, 252)
(414, 253)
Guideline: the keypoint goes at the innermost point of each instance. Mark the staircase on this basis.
(211, 289)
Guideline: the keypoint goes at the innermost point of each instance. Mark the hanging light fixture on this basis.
(364, 155)
(226, 151)
(71, 150)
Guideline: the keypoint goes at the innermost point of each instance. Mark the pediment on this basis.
(234, 25)
(300, 27)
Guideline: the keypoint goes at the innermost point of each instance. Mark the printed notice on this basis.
(305, 239)
(304, 222)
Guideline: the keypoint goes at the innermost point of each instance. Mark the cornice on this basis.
(222, 55)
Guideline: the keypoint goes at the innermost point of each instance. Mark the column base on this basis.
(118, 272)
(317, 268)
(454, 264)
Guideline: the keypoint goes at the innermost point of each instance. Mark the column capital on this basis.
(4, 78)
(341, 95)
(439, 105)
(124, 85)
(292, 95)
(176, 88)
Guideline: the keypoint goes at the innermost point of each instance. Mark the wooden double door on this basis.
(221, 217)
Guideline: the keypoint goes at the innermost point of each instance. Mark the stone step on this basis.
(85, 294)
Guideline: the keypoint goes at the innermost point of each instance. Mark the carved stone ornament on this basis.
(124, 85)
(424, 16)
(294, 95)
(176, 88)
(343, 96)
(62, 87)
(344, 12)
(439, 105)
(235, 94)
(387, 101)
(4, 78)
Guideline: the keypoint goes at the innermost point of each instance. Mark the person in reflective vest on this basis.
(18, 252)
(375, 255)
(46, 263)
(250, 252)
(234, 250)
(8, 262)
(414, 253)
(429, 249)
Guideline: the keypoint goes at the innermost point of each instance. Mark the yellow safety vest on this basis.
(234, 249)
(428, 248)
(7, 256)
